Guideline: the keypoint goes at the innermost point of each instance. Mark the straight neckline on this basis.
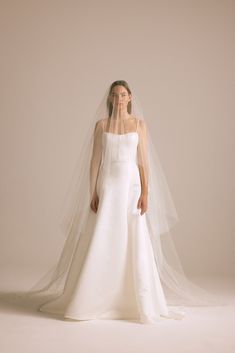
(127, 133)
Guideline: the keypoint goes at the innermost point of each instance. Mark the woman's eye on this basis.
(123, 94)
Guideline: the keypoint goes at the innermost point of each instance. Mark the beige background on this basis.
(57, 59)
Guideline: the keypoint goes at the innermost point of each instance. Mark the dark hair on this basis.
(119, 83)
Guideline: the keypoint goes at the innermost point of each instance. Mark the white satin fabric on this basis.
(113, 274)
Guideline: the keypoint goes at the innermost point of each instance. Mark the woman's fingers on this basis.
(94, 204)
(142, 203)
(143, 210)
(139, 203)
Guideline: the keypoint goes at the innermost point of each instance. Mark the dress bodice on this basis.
(119, 147)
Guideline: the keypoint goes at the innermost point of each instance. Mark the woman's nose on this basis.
(118, 98)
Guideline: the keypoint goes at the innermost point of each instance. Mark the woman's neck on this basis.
(121, 115)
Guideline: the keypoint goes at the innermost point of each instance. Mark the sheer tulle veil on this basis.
(161, 215)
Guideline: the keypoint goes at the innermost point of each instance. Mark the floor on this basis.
(204, 330)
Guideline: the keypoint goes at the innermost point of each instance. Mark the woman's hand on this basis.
(143, 203)
(94, 203)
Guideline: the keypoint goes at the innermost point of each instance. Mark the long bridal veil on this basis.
(161, 215)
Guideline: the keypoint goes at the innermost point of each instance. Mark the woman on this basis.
(115, 263)
(113, 274)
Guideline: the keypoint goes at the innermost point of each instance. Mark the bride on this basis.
(119, 259)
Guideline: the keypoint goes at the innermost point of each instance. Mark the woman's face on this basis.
(120, 97)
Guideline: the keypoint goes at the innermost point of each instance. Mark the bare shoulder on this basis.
(102, 122)
(135, 120)
(99, 124)
(142, 124)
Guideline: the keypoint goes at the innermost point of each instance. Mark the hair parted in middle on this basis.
(125, 85)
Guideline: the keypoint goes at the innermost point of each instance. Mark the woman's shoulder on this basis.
(99, 123)
(141, 122)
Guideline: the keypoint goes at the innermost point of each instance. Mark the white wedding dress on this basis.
(113, 273)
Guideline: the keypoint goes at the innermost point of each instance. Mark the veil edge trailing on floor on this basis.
(161, 217)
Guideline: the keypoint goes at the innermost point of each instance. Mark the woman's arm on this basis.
(143, 157)
(96, 158)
